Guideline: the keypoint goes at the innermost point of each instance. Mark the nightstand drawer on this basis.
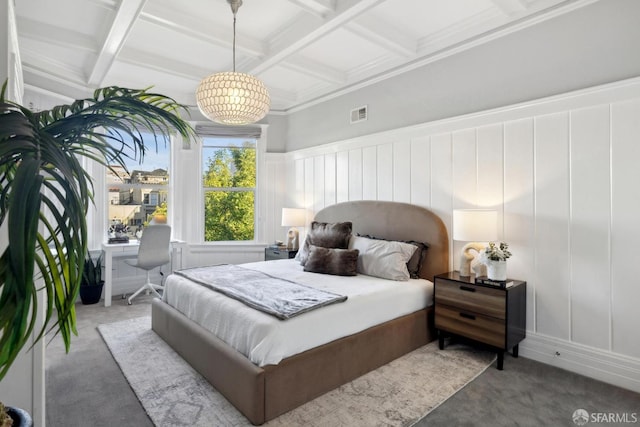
(471, 298)
(276, 253)
(481, 328)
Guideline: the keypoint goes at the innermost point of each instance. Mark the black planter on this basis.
(91, 294)
(20, 417)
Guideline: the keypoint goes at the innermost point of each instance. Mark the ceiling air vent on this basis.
(359, 114)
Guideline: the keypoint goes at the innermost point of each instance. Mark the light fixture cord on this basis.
(234, 42)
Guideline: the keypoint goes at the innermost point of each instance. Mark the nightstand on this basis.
(484, 313)
(279, 253)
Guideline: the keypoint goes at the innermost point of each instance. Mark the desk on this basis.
(115, 250)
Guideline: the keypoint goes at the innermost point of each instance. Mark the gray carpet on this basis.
(86, 387)
(397, 394)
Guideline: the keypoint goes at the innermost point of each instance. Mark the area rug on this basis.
(397, 394)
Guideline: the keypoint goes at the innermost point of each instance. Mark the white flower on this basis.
(495, 252)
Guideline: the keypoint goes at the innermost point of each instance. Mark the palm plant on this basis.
(45, 194)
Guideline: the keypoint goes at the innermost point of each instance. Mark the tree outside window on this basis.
(229, 182)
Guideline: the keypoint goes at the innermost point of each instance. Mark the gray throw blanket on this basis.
(279, 297)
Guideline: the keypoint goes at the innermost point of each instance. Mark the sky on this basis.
(152, 159)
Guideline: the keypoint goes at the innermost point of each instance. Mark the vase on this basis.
(91, 294)
(497, 270)
(20, 417)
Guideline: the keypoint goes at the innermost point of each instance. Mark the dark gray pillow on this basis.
(339, 262)
(326, 235)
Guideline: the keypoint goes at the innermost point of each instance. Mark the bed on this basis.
(262, 393)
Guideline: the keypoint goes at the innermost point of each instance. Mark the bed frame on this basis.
(263, 393)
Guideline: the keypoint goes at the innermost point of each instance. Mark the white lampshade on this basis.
(232, 98)
(293, 217)
(475, 225)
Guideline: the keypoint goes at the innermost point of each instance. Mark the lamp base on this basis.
(293, 239)
(466, 257)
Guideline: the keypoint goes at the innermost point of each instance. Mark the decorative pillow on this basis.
(326, 235)
(339, 262)
(415, 263)
(383, 258)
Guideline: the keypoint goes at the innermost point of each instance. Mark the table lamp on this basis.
(293, 217)
(473, 226)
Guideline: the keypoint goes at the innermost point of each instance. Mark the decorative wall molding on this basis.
(560, 171)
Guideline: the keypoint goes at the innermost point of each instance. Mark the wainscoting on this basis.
(563, 174)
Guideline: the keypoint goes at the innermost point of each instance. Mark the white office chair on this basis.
(154, 251)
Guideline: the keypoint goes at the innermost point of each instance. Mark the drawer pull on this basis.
(467, 288)
(468, 316)
(276, 252)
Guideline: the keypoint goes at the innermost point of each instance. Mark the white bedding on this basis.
(265, 340)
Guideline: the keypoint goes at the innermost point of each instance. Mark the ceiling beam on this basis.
(309, 29)
(42, 75)
(44, 32)
(121, 26)
(35, 61)
(383, 34)
(199, 29)
(510, 7)
(315, 69)
(162, 64)
(319, 8)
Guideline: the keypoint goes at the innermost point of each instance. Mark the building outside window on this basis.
(137, 194)
(229, 188)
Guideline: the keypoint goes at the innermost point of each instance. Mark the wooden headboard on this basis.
(396, 221)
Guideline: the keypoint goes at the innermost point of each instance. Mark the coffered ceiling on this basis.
(304, 50)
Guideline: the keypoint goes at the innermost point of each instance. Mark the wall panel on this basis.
(318, 183)
(590, 219)
(402, 171)
(420, 179)
(625, 232)
(309, 193)
(465, 178)
(552, 280)
(342, 176)
(355, 174)
(369, 173)
(490, 180)
(330, 192)
(385, 172)
(518, 223)
(298, 184)
(442, 182)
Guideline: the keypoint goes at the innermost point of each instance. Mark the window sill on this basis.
(227, 246)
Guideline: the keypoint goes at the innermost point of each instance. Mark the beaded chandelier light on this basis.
(233, 98)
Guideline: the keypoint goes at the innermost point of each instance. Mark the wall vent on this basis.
(359, 114)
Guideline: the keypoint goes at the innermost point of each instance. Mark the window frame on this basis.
(166, 187)
(257, 190)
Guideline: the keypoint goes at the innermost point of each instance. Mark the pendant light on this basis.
(233, 98)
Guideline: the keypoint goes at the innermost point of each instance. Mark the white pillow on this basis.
(382, 258)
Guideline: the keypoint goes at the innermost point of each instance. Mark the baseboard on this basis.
(622, 371)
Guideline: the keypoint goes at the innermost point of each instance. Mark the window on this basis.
(229, 188)
(138, 195)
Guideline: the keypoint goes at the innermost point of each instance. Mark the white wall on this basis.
(24, 385)
(563, 174)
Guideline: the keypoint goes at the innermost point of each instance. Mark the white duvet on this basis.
(266, 340)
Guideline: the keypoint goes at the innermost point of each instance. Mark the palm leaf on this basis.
(45, 194)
